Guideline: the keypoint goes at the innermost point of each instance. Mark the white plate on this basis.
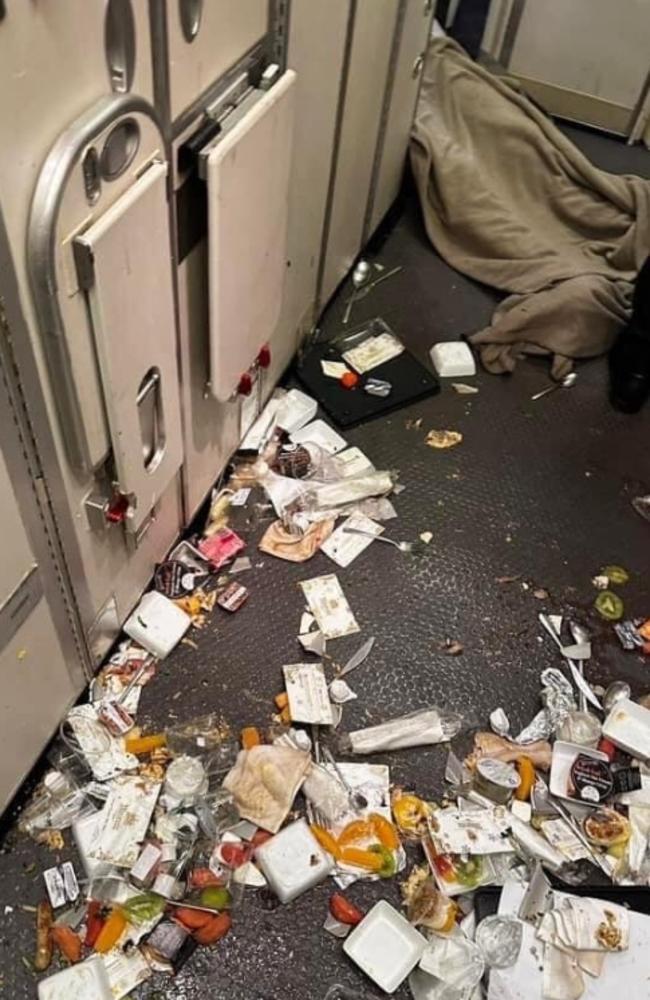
(385, 946)
(564, 755)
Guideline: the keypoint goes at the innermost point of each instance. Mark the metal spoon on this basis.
(402, 546)
(617, 691)
(360, 276)
(565, 383)
(377, 281)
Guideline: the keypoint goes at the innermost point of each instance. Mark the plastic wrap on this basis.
(421, 728)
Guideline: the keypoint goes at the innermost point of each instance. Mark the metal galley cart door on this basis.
(42, 653)
(101, 273)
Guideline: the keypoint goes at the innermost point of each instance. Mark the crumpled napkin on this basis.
(277, 541)
(264, 782)
(577, 935)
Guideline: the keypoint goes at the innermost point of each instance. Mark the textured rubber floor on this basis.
(540, 491)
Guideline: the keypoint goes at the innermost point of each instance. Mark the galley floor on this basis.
(538, 491)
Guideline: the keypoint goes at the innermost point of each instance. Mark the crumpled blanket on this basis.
(510, 201)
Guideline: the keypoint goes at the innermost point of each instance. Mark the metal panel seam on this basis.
(400, 20)
(345, 72)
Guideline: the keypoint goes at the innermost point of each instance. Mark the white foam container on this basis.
(628, 727)
(293, 861)
(385, 946)
(453, 359)
(157, 624)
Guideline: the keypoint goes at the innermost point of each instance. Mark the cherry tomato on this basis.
(349, 380)
(234, 855)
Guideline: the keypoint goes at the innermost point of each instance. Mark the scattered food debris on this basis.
(443, 439)
(452, 647)
(187, 818)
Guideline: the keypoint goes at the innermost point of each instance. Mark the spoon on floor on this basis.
(402, 546)
(565, 383)
(360, 276)
(617, 691)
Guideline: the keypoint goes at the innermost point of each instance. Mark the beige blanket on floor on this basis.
(510, 201)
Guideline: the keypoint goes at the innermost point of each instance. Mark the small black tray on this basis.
(409, 379)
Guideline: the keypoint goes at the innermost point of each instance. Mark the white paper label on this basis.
(55, 887)
(125, 819)
(125, 972)
(165, 885)
(480, 831)
(343, 546)
(329, 606)
(240, 498)
(334, 369)
(147, 861)
(353, 462)
(373, 352)
(308, 696)
(560, 835)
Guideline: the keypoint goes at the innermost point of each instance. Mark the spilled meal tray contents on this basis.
(175, 828)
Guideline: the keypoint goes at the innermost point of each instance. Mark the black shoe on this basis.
(629, 359)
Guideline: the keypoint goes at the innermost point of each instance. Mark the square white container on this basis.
(295, 410)
(562, 760)
(628, 727)
(157, 624)
(86, 981)
(293, 861)
(385, 946)
(453, 359)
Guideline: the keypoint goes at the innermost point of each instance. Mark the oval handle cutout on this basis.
(120, 147)
(190, 12)
(119, 44)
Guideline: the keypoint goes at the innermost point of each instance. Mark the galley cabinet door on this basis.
(403, 93)
(205, 39)
(125, 264)
(247, 174)
(371, 45)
